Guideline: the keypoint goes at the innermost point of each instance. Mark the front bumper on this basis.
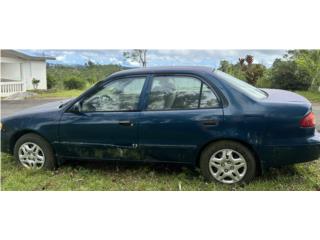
(5, 145)
(299, 151)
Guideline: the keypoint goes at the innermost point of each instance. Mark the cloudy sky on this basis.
(210, 58)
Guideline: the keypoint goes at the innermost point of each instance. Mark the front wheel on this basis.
(34, 152)
(228, 162)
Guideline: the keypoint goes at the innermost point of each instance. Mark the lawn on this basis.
(125, 176)
(312, 96)
(58, 93)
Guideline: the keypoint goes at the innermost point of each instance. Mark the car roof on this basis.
(163, 70)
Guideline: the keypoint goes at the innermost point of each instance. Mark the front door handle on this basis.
(126, 123)
(212, 122)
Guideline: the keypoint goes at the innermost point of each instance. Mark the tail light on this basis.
(308, 121)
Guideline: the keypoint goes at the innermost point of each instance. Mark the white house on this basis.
(19, 69)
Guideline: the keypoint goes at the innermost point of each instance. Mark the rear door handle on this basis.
(126, 123)
(210, 122)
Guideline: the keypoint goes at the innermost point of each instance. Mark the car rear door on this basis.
(181, 113)
(106, 127)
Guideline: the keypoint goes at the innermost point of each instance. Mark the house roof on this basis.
(14, 53)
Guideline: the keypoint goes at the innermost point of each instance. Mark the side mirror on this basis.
(76, 108)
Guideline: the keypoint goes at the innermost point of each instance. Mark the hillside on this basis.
(57, 74)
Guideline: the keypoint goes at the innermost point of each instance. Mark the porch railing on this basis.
(9, 88)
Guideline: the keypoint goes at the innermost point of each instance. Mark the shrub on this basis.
(74, 83)
(35, 83)
(265, 80)
(287, 75)
(51, 82)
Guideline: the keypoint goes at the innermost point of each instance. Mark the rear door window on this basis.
(180, 92)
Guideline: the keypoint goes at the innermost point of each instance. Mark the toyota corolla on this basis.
(189, 115)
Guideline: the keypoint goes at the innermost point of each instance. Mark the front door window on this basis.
(119, 95)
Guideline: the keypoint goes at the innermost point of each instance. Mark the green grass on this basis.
(311, 96)
(58, 93)
(120, 176)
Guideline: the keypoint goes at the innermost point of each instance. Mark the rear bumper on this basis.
(299, 151)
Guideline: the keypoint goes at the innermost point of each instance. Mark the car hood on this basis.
(283, 96)
(43, 108)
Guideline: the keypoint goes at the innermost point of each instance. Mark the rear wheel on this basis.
(33, 152)
(228, 162)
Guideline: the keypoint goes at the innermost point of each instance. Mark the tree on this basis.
(285, 74)
(51, 81)
(89, 63)
(241, 61)
(309, 61)
(254, 72)
(249, 59)
(245, 69)
(137, 55)
(225, 66)
(232, 69)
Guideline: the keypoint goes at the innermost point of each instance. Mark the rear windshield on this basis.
(242, 86)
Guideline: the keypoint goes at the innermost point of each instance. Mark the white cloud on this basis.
(61, 58)
(114, 60)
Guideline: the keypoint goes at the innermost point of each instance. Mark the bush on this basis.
(265, 80)
(287, 75)
(35, 83)
(74, 83)
(51, 82)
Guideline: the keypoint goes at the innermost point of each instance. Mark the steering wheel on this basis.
(98, 102)
(105, 98)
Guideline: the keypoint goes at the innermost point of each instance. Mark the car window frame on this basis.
(202, 81)
(99, 87)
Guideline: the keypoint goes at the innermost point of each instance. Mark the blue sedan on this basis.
(188, 115)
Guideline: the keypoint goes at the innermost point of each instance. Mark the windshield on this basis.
(242, 86)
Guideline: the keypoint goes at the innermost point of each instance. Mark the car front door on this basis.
(180, 115)
(105, 124)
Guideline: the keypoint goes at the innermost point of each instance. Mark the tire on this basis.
(228, 162)
(34, 152)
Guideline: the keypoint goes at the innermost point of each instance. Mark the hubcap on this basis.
(227, 166)
(31, 156)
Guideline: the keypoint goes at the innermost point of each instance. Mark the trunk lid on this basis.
(283, 96)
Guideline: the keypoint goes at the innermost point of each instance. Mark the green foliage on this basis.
(298, 70)
(51, 82)
(287, 75)
(254, 72)
(90, 73)
(232, 69)
(244, 69)
(74, 83)
(35, 83)
(312, 96)
(265, 80)
(308, 61)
